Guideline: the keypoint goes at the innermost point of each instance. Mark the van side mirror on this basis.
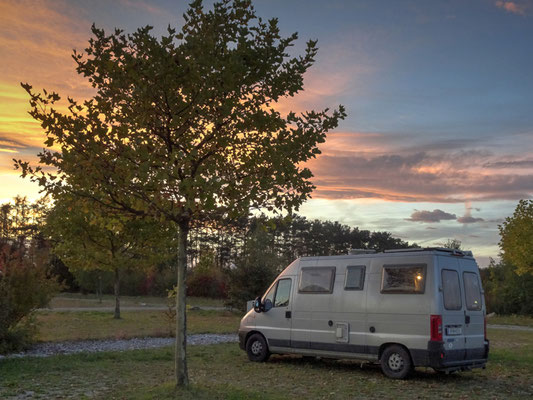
(257, 304)
(268, 305)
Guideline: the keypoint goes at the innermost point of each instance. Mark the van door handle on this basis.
(288, 314)
(467, 319)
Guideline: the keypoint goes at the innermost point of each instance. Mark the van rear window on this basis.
(472, 291)
(317, 280)
(451, 290)
(409, 278)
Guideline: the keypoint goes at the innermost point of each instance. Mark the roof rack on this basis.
(354, 252)
(455, 252)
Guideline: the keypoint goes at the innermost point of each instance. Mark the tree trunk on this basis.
(99, 290)
(182, 376)
(117, 294)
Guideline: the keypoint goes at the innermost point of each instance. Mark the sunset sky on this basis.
(438, 142)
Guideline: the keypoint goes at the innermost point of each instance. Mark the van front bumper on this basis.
(453, 360)
(242, 338)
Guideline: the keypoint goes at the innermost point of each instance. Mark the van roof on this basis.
(364, 253)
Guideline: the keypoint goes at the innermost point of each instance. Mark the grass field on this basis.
(224, 372)
(520, 320)
(90, 300)
(80, 325)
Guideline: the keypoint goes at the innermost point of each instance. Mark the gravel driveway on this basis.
(48, 349)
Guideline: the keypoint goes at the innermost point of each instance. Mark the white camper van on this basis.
(402, 308)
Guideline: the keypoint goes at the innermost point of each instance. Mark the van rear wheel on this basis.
(257, 348)
(396, 362)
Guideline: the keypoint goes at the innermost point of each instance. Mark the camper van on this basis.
(401, 308)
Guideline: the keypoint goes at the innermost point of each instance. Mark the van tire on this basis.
(396, 362)
(257, 348)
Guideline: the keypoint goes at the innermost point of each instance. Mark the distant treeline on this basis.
(214, 250)
(237, 260)
(286, 238)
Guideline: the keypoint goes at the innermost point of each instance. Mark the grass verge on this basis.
(224, 372)
(520, 320)
(79, 300)
(81, 325)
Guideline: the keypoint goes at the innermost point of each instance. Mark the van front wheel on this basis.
(396, 362)
(257, 348)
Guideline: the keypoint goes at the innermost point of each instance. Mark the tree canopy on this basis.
(517, 238)
(183, 127)
(91, 237)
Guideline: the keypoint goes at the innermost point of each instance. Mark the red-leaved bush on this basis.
(24, 287)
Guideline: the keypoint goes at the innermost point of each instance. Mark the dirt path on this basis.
(47, 349)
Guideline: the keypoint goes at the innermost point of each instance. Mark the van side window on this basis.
(317, 280)
(451, 290)
(283, 293)
(271, 293)
(355, 277)
(410, 278)
(472, 291)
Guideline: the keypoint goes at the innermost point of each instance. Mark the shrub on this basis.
(24, 287)
(254, 271)
(206, 279)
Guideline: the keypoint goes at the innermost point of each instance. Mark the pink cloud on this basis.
(512, 6)
(355, 166)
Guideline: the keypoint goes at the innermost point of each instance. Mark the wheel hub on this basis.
(395, 362)
(257, 347)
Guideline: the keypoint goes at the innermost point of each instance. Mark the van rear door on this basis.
(453, 312)
(474, 310)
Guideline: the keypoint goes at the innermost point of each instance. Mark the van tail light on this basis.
(485, 327)
(436, 328)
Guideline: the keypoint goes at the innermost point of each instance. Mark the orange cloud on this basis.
(36, 42)
(512, 7)
(333, 75)
(359, 165)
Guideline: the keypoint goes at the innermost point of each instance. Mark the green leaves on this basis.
(517, 237)
(182, 126)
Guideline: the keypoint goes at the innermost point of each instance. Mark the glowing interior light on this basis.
(419, 277)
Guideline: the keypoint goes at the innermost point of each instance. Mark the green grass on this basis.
(512, 348)
(91, 300)
(514, 319)
(224, 372)
(80, 325)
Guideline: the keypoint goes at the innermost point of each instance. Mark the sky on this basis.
(438, 141)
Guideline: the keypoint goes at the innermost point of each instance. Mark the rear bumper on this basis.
(452, 360)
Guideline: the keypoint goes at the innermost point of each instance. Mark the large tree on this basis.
(183, 127)
(516, 240)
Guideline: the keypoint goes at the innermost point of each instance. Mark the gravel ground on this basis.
(48, 349)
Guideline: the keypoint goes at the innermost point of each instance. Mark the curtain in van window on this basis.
(355, 277)
(403, 278)
(451, 290)
(317, 280)
(472, 291)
